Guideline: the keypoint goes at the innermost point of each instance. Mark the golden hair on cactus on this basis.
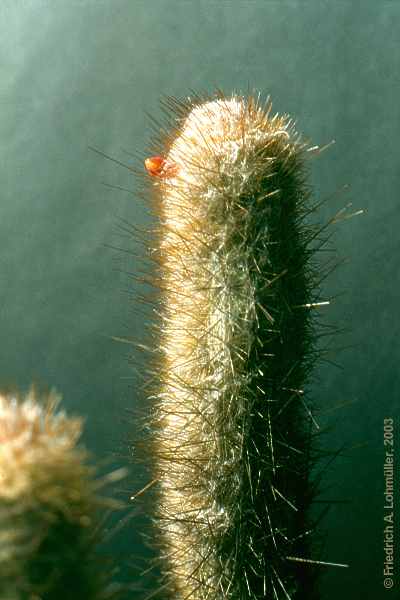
(231, 425)
(48, 504)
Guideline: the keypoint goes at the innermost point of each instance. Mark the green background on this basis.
(75, 74)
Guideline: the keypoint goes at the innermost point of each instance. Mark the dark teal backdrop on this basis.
(82, 73)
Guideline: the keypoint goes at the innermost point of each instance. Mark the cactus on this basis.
(232, 427)
(48, 505)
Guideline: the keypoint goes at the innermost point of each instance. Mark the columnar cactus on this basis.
(48, 505)
(232, 426)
